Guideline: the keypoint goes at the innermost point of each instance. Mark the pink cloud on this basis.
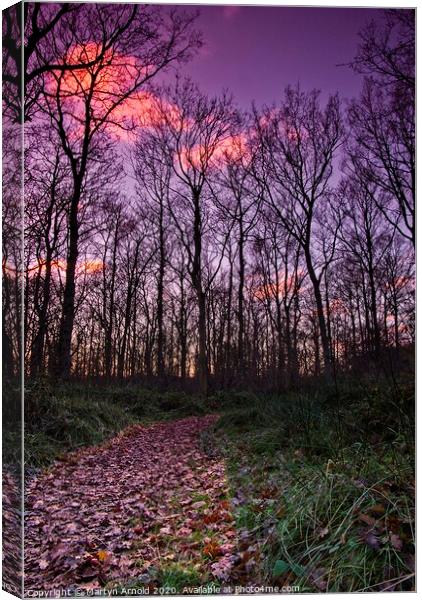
(115, 75)
(233, 148)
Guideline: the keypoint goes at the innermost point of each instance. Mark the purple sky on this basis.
(256, 51)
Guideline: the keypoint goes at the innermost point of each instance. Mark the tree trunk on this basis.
(321, 317)
(62, 365)
(37, 350)
(108, 339)
(183, 331)
(240, 318)
(201, 299)
(160, 303)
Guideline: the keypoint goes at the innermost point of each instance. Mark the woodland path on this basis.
(143, 501)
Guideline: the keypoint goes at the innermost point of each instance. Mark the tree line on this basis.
(173, 237)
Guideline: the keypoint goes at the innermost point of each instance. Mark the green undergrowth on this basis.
(63, 417)
(69, 417)
(323, 483)
(59, 420)
(167, 580)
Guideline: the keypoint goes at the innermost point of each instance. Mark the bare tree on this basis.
(153, 177)
(241, 206)
(190, 131)
(12, 255)
(45, 212)
(297, 145)
(83, 105)
(383, 119)
(388, 52)
(363, 233)
(238, 260)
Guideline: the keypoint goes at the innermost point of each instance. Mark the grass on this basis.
(67, 416)
(61, 418)
(175, 577)
(324, 481)
(168, 579)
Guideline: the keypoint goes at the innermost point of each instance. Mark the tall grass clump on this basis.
(322, 482)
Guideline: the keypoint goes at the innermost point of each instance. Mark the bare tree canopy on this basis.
(174, 237)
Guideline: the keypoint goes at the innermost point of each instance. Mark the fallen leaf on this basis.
(212, 550)
(366, 519)
(133, 487)
(396, 541)
(318, 578)
(103, 555)
(371, 539)
(323, 532)
(376, 509)
(165, 530)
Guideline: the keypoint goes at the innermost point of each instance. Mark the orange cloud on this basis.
(270, 291)
(229, 150)
(90, 267)
(142, 109)
(58, 267)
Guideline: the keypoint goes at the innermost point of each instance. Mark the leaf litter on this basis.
(148, 498)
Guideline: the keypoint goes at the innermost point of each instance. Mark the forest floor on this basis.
(148, 505)
(134, 489)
